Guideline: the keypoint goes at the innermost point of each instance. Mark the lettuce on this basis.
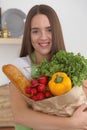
(74, 65)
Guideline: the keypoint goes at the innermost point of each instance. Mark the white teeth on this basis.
(43, 44)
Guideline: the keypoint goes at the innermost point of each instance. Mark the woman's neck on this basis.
(39, 58)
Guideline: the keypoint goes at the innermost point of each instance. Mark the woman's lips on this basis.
(44, 44)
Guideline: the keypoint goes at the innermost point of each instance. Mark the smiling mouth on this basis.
(44, 44)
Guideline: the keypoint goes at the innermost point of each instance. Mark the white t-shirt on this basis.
(24, 65)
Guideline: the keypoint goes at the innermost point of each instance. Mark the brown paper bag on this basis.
(63, 105)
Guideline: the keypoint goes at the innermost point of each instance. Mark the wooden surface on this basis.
(7, 128)
(10, 40)
(6, 116)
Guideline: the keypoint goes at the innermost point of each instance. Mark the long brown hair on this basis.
(57, 36)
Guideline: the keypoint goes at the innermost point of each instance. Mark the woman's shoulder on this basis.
(23, 61)
(24, 65)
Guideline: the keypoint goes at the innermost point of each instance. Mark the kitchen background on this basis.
(73, 18)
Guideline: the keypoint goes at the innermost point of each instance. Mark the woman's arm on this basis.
(37, 120)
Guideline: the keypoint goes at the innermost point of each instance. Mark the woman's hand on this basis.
(85, 83)
(85, 86)
(80, 117)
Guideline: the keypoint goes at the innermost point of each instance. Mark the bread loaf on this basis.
(16, 77)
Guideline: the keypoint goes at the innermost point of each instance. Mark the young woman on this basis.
(42, 38)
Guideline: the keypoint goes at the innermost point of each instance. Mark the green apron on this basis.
(20, 127)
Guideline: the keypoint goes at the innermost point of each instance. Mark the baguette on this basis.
(16, 77)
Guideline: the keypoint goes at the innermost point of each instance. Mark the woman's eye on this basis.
(49, 29)
(34, 31)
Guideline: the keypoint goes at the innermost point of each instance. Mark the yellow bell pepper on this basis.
(59, 84)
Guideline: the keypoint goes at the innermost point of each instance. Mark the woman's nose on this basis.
(43, 35)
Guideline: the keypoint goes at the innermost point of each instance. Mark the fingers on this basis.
(10, 84)
(85, 83)
(83, 107)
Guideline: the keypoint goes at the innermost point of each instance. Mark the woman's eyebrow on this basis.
(48, 27)
(34, 28)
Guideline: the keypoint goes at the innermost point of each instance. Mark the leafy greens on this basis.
(75, 66)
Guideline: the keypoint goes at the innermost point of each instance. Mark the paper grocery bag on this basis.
(63, 105)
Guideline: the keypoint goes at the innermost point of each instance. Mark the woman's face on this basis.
(41, 35)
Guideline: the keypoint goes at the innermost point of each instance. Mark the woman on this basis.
(42, 38)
